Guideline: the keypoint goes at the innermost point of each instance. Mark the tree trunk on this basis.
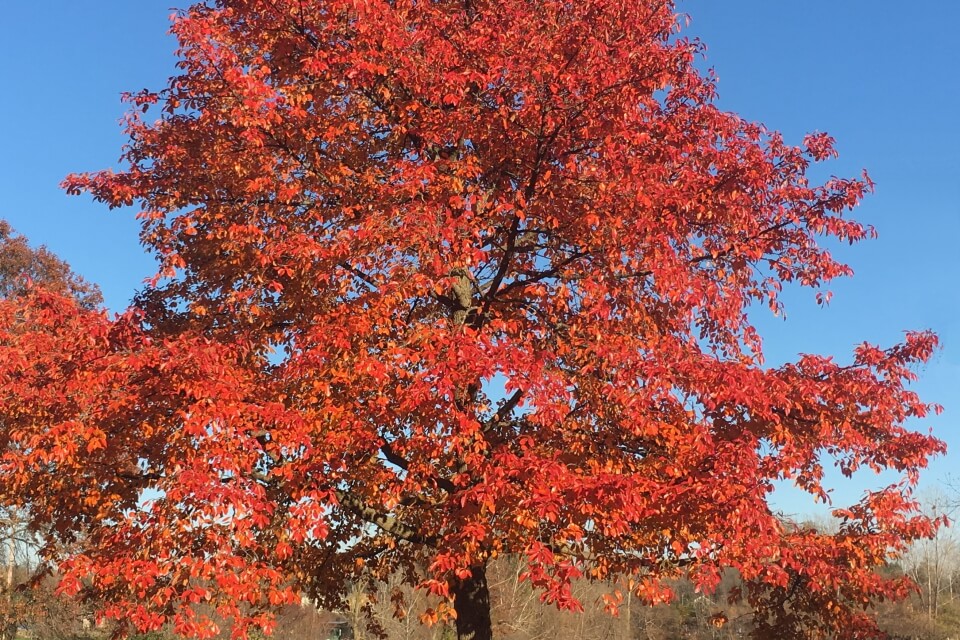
(629, 634)
(472, 604)
(8, 626)
(11, 560)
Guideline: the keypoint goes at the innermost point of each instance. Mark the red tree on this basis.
(441, 281)
(22, 266)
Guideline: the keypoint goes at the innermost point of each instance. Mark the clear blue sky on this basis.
(883, 77)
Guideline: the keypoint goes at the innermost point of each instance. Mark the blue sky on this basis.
(881, 76)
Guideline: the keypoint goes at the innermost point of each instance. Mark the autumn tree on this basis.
(23, 267)
(444, 281)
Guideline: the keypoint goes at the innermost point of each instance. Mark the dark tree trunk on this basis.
(472, 604)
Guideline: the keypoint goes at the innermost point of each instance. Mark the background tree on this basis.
(23, 267)
(443, 282)
(934, 563)
(14, 545)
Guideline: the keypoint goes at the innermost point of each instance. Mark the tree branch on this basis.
(388, 524)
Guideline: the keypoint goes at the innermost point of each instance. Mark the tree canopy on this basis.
(445, 281)
(22, 266)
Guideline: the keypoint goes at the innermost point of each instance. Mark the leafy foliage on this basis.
(22, 265)
(445, 281)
